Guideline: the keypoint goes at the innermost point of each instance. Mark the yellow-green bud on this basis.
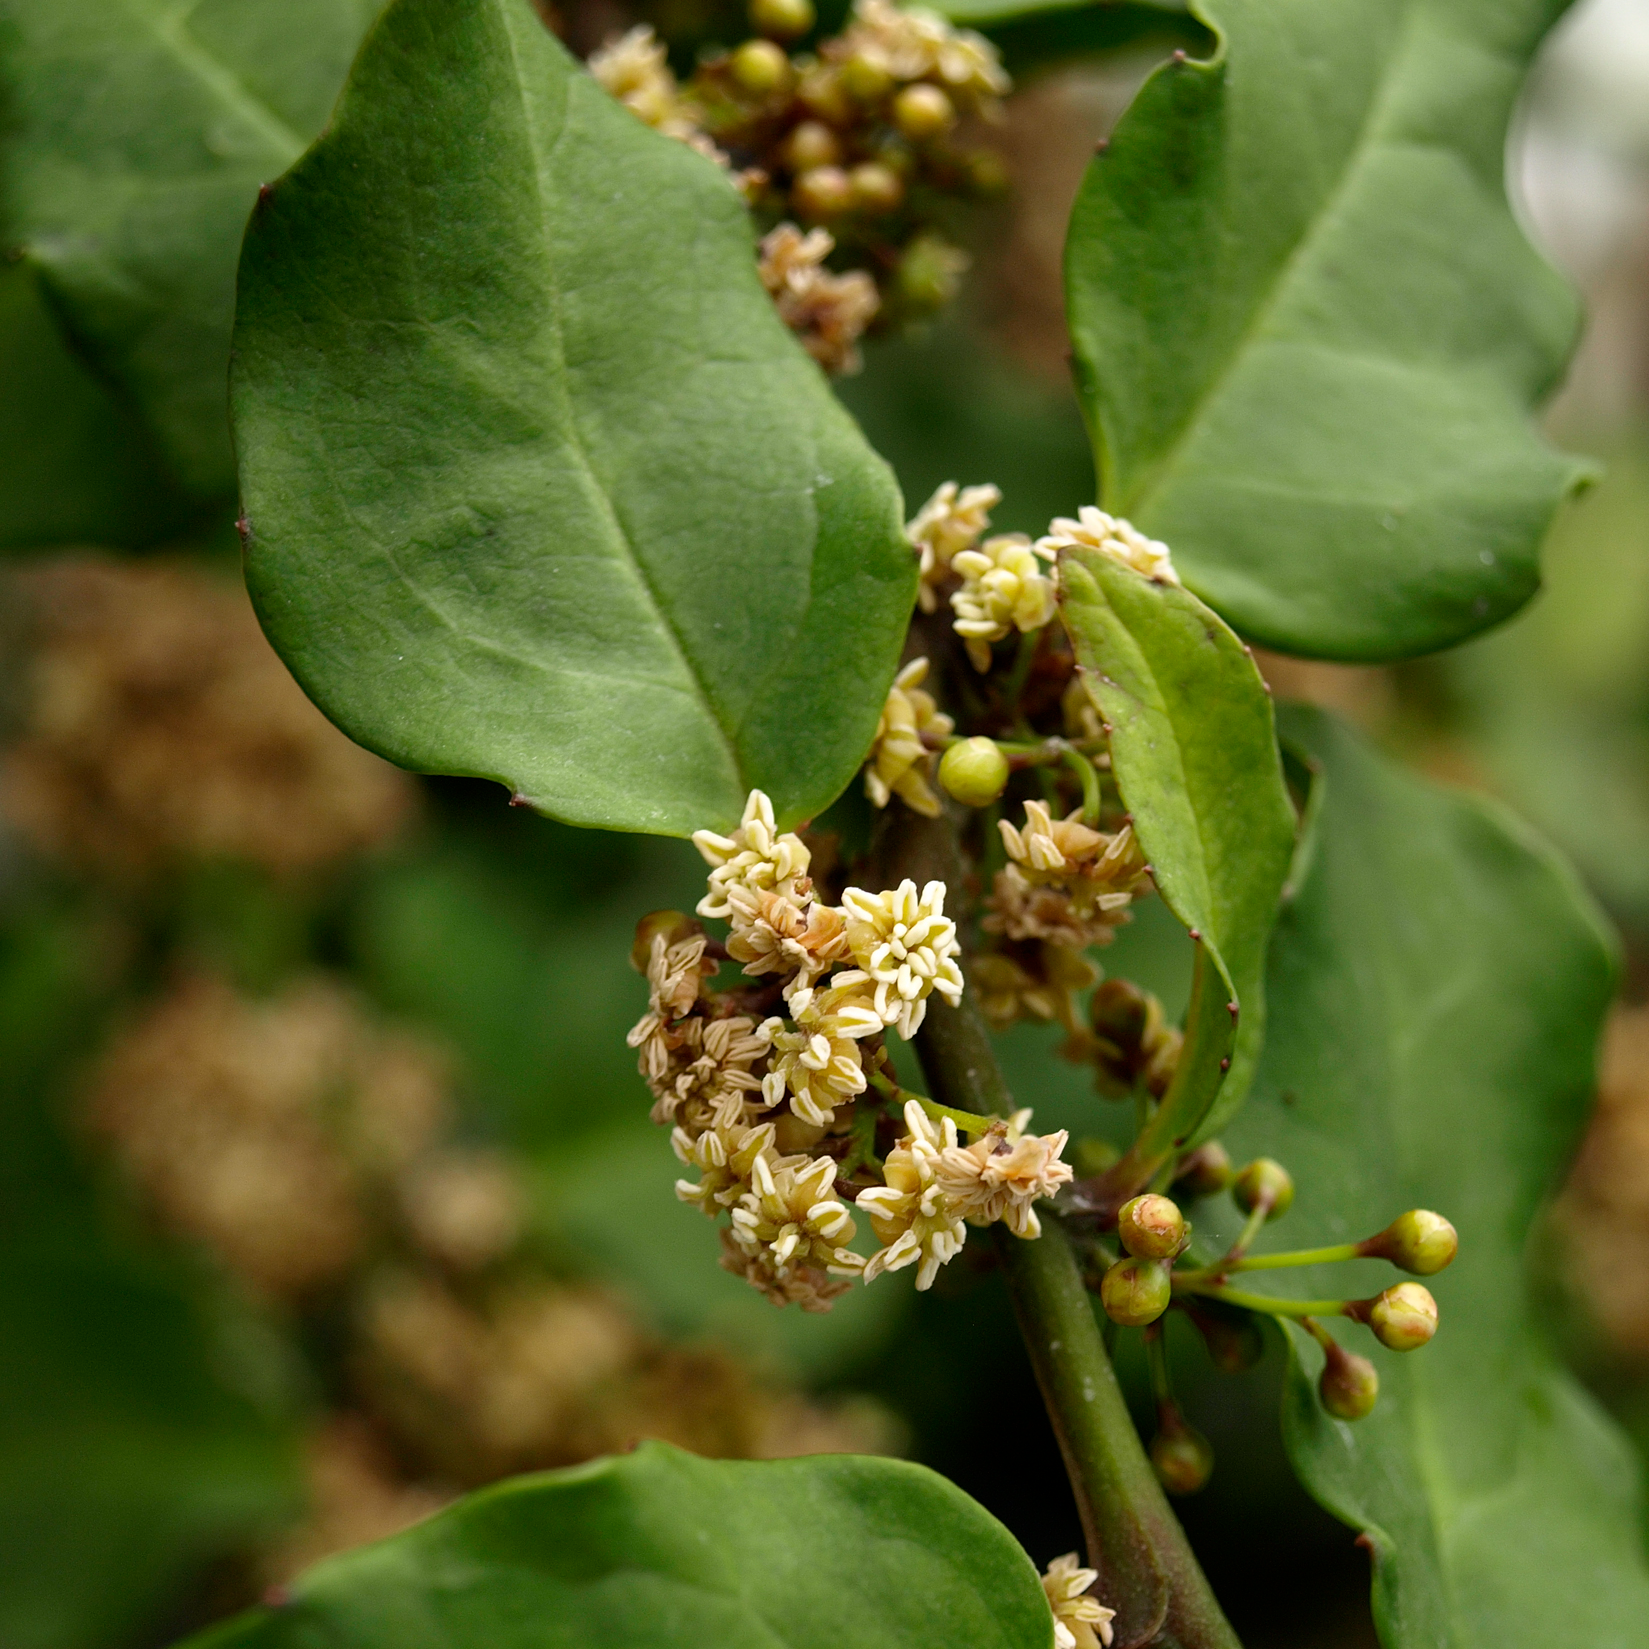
(1135, 1292)
(1206, 1172)
(1403, 1318)
(876, 190)
(674, 925)
(1266, 1184)
(930, 273)
(922, 112)
(865, 80)
(782, 19)
(974, 771)
(1152, 1228)
(822, 192)
(987, 172)
(1418, 1241)
(1183, 1458)
(1348, 1385)
(810, 144)
(760, 68)
(821, 91)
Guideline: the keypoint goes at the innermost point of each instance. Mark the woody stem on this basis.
(1146, 1568)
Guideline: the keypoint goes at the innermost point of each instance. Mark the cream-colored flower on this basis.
(725, 1158)
(635, 69)
(1004, 587)
(910, 1214)
(710, 1082)
(972, 67)
(1002, 1174)
(755, 857)
(906, 944)
(1019, 908)
(1080, 1622)
(951, 521)
(774, 933)
(818, 1066)
(675, 978)
(1101, 872)
(1119, 539)
(913, 43)
(828, 312)
(791, 1216)
(899, 762)
(808, 1286)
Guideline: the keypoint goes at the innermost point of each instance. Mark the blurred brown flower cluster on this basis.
(157, 725)
(311, 1151)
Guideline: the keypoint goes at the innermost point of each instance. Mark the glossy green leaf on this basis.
(1309, 334)
(75, 468)
(138, 134)
(1194, 754)
(660, 1550)
(1036, 34)
(539, 488)
(1436, 988)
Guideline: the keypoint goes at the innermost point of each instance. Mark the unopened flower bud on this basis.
(974, 771)
(782, 19)
(930, 273)
(1403, 1318)
(876, 190)
(760, 68)
(1266, 1184)
(1205, 1172)
(1348, 1385)
(1183, 1458)
(987, 172)
(1152, 1228)
(811, 143)
(865, 80)
(922, 112)
(1418, 1241)
(820, 90)
(1135, 1292)
(675, 925)
(822, 192)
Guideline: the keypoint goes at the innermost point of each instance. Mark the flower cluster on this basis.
(1065, 883)
(1080, 1621)
(777, 1112)
(1111, 535)
(858, 136)
(900, 762)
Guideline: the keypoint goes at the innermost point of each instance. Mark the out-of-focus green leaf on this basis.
(1035, 34)
(1194, 754)
(660, 1550)
(539, 488)
(1308, 331)
(74, 467)
(138, 134)
(1436, 988)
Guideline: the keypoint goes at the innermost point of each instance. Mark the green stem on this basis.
(1277, 1262)
(1147, 1571)
(1023, 660)
(1267, 1303)
(968, 1122)
(1089, 776)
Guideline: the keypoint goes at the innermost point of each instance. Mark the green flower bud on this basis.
(1205, 1172)
(987, 172)
(1418, 1241)
(876, 192)
(930, 273)
(1183, 1458)
(1090, 1157)
(1135, 1292)
(675, 926)
(821, 93)
(1266, 1184)
(865, 80)
(1403, 1318)
(1152, 1228)
(811, 143)
(782, 19)
(822, 192)
(923, 112)
(1348, 1386)
(760, 68)
(975, 772)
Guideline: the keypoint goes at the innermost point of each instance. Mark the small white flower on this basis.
(1080, 1622)
(1002, 1174)
(1110, 534)
(910, 1214)
(1004, 587)
(951, 521)
(755, 857)
(906, 944)
(791, 1216)
(818, 1065)
(899, 762)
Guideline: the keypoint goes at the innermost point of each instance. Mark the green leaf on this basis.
(1436, 988)
(138, 134)
(1308, 331)
(660, 1550)
(539, 488)
(1194, 754)
(75, 468)
(1037, 34)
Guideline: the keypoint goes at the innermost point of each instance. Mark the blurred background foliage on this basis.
(327, 1189)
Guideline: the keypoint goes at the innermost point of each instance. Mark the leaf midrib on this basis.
(216, 76)
(1156, 474)
(542, 194)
